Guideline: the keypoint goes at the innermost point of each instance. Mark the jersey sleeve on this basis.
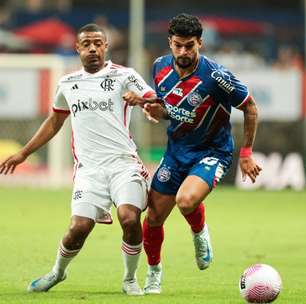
(60, 103)
(154, 73)
(136, 84)
(230, 88)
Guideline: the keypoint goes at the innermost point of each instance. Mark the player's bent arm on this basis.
(250, 122)
(134, 99)
(152, 106)
(46, 131)
(247, 164)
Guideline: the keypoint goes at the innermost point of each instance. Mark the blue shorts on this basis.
(171, 173)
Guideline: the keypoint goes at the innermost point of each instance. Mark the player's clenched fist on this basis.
(133, 99)
(154, 112)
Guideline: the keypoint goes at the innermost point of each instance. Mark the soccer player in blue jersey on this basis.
(196, 94)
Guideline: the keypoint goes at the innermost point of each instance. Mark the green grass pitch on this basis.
(246, 228)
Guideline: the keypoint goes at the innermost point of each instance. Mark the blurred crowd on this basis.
(37, 26)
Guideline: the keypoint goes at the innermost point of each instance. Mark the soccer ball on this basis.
(260, 283)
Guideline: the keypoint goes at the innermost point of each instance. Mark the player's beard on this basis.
(184, 62)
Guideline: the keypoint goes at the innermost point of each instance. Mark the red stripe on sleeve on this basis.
(245, 101)
(61, 111)
(149, 94)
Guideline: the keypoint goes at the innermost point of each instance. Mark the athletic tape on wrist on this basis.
(245, 152)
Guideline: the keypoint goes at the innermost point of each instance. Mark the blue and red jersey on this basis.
(199, 105)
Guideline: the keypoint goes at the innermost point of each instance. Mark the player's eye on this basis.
(189, 46)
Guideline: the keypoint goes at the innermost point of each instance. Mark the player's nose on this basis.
(183, 51)
(92, 48)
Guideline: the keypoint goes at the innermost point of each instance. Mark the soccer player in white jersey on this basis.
(107, 168)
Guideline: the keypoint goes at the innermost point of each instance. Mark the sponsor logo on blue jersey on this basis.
(180, 114)
(224, 80)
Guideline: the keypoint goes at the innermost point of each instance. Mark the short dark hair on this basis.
(91, 27)
(185, 25)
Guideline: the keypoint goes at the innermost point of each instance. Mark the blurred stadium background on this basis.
(261, 41)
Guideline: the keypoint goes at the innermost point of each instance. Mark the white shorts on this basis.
(124, 181)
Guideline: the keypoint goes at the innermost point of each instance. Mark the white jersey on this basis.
(100, 117)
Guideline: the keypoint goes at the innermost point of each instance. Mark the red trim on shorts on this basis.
(125, 113)
(74, 155)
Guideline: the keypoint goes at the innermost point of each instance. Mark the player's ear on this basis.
(77, 47)
(200, 42)
(106, 46)
(169, 41)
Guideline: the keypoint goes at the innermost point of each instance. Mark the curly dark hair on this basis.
(185, 25)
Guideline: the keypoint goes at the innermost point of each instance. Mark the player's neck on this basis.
(184, 72)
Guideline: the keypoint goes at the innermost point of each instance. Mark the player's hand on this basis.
(133, 99)
(154, 111)
(9, 165)
(249, 168)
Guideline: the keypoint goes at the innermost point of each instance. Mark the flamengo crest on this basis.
(108, 84)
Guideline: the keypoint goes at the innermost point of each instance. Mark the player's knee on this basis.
(79, 229)
(186, 202)
(130, 222)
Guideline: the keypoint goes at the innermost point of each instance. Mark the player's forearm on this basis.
(165, 115)
(250, 123)
(46, 131)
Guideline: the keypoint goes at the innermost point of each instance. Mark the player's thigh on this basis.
(169, 176)
(192, 191)
(204, 176)
(81, 225)
(128, 183)
(128, 215)
(90, 196)
(159, 207)
(133, 193)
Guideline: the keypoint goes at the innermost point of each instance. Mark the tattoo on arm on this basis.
(250, 122)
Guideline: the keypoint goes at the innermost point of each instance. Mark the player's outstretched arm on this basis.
(46, 131)
(152, 106)
(247, 164)
(155, 112)
(135, 100)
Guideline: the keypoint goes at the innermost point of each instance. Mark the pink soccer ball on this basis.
(260, 283)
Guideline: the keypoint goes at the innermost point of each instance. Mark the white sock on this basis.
(63, 258)
(131, 254)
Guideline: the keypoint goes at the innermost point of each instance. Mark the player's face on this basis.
(185, 50)
(91, 47)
